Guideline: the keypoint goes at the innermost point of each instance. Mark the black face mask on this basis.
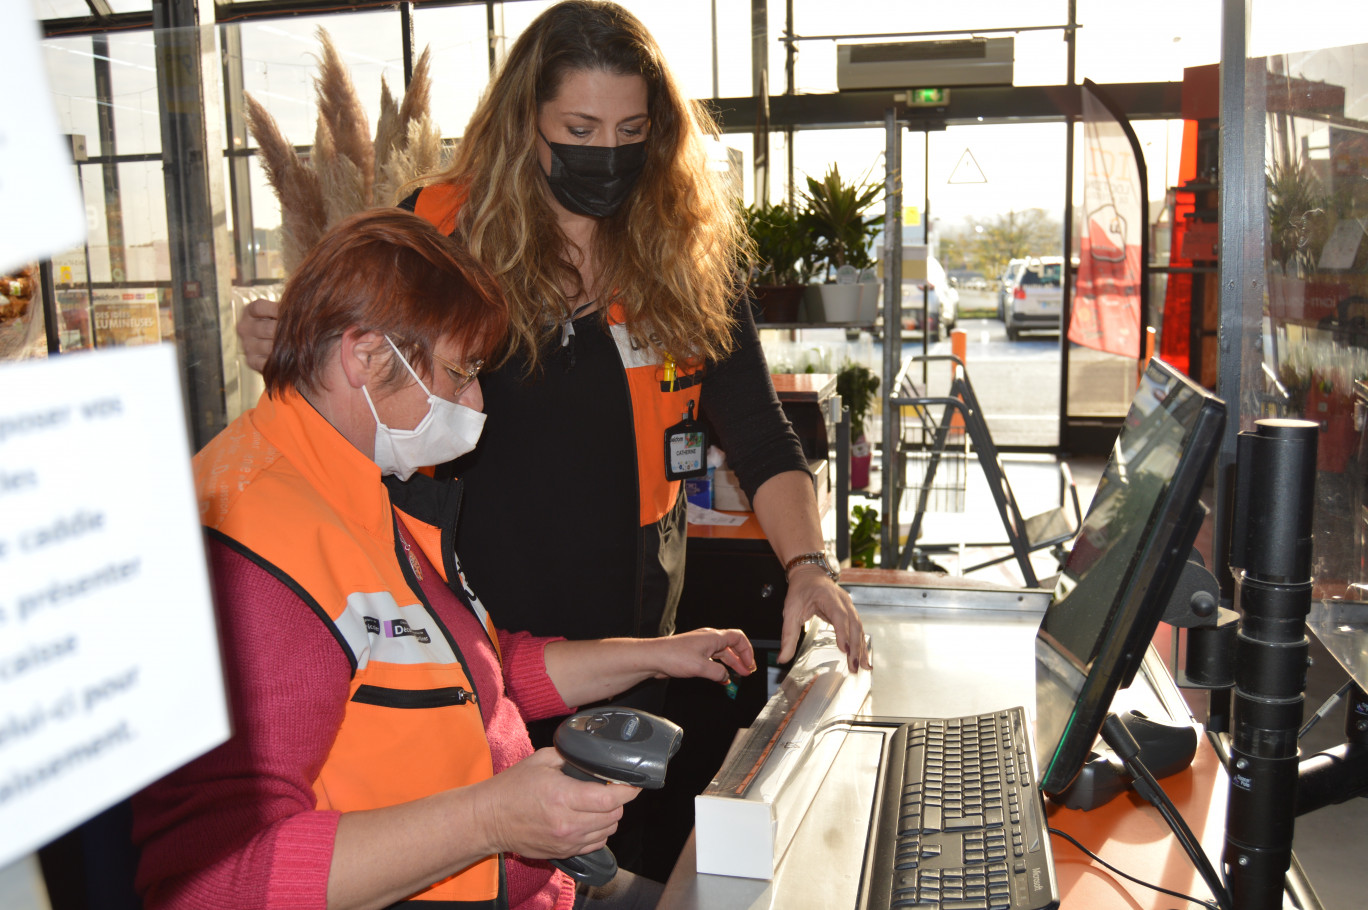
(594, 180)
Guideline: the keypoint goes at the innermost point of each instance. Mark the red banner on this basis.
(1107, 300)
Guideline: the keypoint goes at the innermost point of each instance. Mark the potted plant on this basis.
(864, 536)
(858, 387)
(840, 233)
(778, 269)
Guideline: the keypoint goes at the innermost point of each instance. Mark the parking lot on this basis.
(1018, 382)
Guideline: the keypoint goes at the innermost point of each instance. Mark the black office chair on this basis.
(922, 433)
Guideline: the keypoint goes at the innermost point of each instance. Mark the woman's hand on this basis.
(811, 592)
(256, 330)
(705, 653)
(584, 672)
(535, 809)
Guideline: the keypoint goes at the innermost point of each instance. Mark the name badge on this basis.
(686, 448)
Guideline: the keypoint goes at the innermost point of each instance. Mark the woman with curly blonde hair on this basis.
(583, 185)
(670, 256)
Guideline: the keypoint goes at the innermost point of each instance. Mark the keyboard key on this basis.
(964, 823)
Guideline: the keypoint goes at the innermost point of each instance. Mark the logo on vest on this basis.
(396, 628)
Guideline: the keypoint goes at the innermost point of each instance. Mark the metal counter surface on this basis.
(936, 652)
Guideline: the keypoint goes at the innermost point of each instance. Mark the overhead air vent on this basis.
(919, 64)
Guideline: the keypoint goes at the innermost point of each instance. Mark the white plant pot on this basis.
(840, 302)
(870, 294)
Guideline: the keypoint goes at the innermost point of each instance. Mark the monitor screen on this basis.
(1123, 566)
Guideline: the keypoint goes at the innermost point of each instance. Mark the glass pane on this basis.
(1117, 45)
(266, 214)
(995, 193)
(133, 82)
(1279, 27)
(69, 9)
(70, 66)
(512, 19)
(126, 230)
(60, 9)
(1316, 310)
(142, 193)
(280, 62)
(458, 40)
(733, 50)
(684, 31)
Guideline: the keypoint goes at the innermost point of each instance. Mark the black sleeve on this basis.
(409, 202)
(741, 406)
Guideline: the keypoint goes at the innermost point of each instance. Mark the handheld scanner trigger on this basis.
(618, 745)
(593, 869)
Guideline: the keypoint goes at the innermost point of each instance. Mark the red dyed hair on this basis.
(385, 271)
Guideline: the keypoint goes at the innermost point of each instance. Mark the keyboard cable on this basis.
(1209, 904)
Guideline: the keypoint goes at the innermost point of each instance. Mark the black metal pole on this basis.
(842, 473)
(1275, 484)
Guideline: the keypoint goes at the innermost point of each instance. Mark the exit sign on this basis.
(928, 97)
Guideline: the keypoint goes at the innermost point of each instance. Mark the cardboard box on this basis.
(698, 490)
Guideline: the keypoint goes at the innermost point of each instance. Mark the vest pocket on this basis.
(413, 698)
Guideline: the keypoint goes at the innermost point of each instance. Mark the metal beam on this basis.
(760, 149)
(1241, 251)
(892, 349)
(978, 104)
(192, 142)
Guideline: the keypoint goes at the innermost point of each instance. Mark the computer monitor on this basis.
(1123, 566)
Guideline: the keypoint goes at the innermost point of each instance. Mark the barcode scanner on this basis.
(617, 746)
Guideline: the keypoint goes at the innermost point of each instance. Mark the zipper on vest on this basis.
(416, 587)
(384, 697)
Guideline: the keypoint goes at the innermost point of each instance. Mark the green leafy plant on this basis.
(834, 216)
(858, 387)
(781, 241)
(864, 536)
(1298, 222)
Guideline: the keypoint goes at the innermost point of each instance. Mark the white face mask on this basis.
(448, 430)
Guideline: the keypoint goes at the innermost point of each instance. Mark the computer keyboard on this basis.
(960, 823)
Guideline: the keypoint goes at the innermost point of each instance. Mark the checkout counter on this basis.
(735, 580)
(942, 646)
(949, 646)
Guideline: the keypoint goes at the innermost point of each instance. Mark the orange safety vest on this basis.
(658, 402)
(284, 488)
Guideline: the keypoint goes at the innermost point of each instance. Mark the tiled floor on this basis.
(1330, 842)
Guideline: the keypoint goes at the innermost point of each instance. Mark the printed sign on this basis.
(109, 661)
(125, 316)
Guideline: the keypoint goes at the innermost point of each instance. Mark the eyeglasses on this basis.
(462, 377)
